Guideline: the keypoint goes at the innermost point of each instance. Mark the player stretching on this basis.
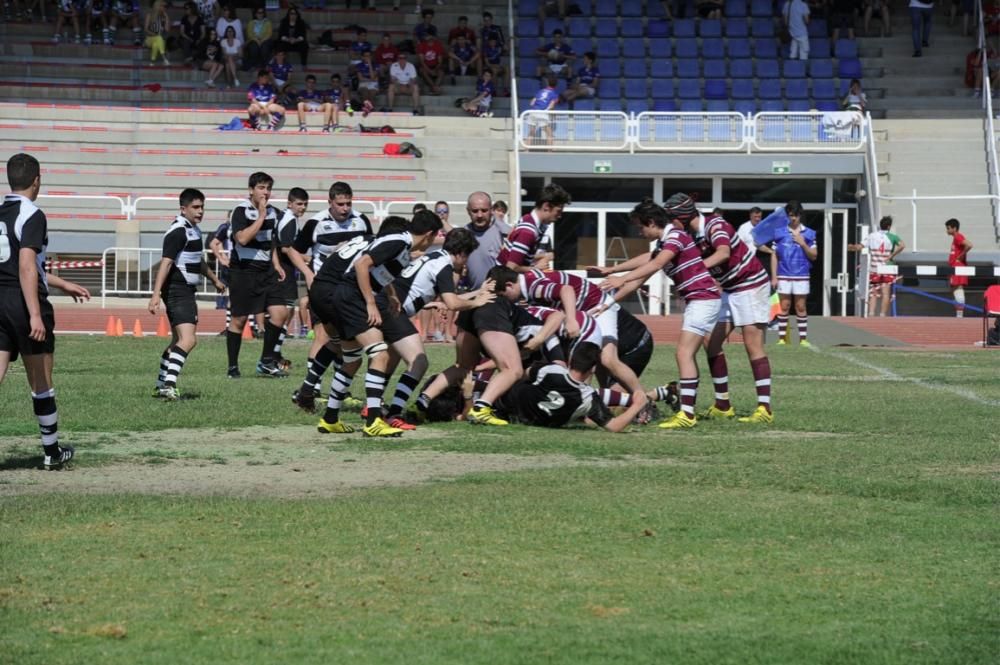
(746, 294)
(521, 245)
(26, 316)
(180, 270)
(794, 251)
(677, 255)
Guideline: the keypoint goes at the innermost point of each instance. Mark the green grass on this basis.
(861, 528)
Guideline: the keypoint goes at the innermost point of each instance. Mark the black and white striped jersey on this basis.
(284, 236)
(22, 225)
(425, 279)
(390, 256)
(335, 267)
(551, 397)
(255, 255)
(322, 235)
(182, 244)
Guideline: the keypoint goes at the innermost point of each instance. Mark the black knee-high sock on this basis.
(233, 343)
(44, 404)
(271, 335)
(164, 364)
(374, 389)
(317, 366)
(405, 386)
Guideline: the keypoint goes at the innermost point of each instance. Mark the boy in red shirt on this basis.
(431, 54)
(956, 257)
(385, 55)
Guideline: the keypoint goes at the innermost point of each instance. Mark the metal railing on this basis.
(133, 273)
(610, 131)
(913, 206)
(989, 128)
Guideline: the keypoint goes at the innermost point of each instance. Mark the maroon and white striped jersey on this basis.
(686, 269)
(589, 330)
(542, 288)
(521, 244)
(743, 271)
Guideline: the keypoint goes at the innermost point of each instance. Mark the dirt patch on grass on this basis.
(254, 462)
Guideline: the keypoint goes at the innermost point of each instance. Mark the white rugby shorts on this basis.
(746, 308)
(700, 316)
(795, 287)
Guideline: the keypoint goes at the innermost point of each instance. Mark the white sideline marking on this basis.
(889, 374)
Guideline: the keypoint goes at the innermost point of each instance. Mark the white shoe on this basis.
(165, 61)
(236, 83)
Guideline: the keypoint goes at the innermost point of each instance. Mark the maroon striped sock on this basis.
(761, 369)
(720, 377)
(782, 326)
(803, 322)
(615, 398)
(689, 394)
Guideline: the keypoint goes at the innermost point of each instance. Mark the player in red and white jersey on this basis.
(589, 330)
(746, 293)
(678, 256)
(521, 245)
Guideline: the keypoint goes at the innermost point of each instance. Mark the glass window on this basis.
(606, 190)
(773, 190)
(699, 188)
(844, 190)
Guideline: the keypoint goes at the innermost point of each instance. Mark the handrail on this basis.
(515, 184)
(875, 190)
(957, 197)
(992, 164)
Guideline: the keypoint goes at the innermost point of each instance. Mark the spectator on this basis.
(921, 14)
(796, 19)
(386, 55)
(882, 246)
(28, 10)
(67, 10)
(403, 79)
(211, 57)
(425, 27)
(557, 56)
(260, 41)
(157, 25)
(967, 8)
(229, 19)
(367, 82)
(795, 251)
(126, 12)
(855, 99)
(192, 32)
(492, 60)
(977, 71)
(264, 111)
(97, 12)
(336, 97)
(745, 232)
(359, 45)
(499, 212)
(463, 57)
(311, 100)
(960, 248)
(881, 7)
(279, 70)
(485, 92)
(462, 29)
(489, 29)
(588, 79)
(708, 9)
(232, 51)
(842, 18)
(539, 121)
(209, 11)
(293, 35)
(431, 54)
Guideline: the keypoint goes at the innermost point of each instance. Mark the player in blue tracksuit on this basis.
(544, 101)
(794, 252)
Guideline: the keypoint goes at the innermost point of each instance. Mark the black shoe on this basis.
(56, 461)
(305, 400)
(917, 54)
(270, 370)
(234, 372)
(925, 43)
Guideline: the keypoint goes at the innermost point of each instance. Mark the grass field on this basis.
(861, 528)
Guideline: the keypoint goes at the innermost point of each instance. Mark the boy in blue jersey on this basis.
(312, 100)
(338, 99)
(557, 57)
(485, 91)
(463, 57)
(541, 123)
(794, 252)
(359, 46)
(492, 60)
(588, 78)
(264, 111)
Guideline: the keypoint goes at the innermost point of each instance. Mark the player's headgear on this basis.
(680, 208)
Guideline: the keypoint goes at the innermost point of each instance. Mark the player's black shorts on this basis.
(497, 316)
(394, 326)
(253, 291)
(289, 287)
(638, 357)
(180, 303)
(15, 325)
(342, 305)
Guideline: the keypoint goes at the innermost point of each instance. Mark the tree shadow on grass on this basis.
(21, 462)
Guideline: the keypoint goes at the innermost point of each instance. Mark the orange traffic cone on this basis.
(162, 329)
(119, 329)
(110, 329)
(137, 329)
(247, 333)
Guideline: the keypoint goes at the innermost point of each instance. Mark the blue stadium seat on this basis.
(658, 29)
(745, 107)
(769, 89)
(663, 89)
(736, 8)
(686, 48)
(712, 49)
(737, 27)
(716, 89)
(606, 29)
(793, 69)
(845, 85)
(664, 105)
(849, 68)
(845, 48)
(610, 67)
(526, 45)
(817, 27)
(527, 27)
(743, 89)
(528, 87)
(551, 25)
(655, 10)
(710, 28)
(799, 105)
(739, 47)
(688, 69)
(527, 8)
(586, 7)
(692, 106)
(689, 89)
(610, 104)
(607, 48)
(606, 8)
(609, 88)
(821, 69)
(633, 48)
(741, 68)
(635, 69)
(797, 89)
(766, 69)
(819, 47)
(684, 27)
(581, 45)
(527, 68)
(765, 48)
(827, 105)
(717, 106)
(631, 27)
(636, 106)
(771, 105)
(822, 89)
(762, 27)
(632, 8)
(715, 69)
(662, 69)
(660, 47)
(761, 8)
(584, 104)
(579, 26)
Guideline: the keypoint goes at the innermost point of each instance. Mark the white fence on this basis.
(845, 131)
(133, 273)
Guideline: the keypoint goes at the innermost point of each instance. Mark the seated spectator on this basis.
(855, 99)
(880, 7)
(359, 45)
(539, 121)
(260, 41)
(842, 18)
(462, 29)
(264, 111)
(425, 27)
(431, 54)
(157, 25)
(479, 105)
(711, 9)
(977, 72)
(367, 82)
(386, 55)
(279, 70)
(229, 19)
(293, 35)
(192, 32)
(492, 60)
(587, 80)
(337, 97)
(232, 52)
(311, 100)
(126, 12)
(403, 79)
(557, 57)
(209, 11)
(489, 29)
(463, 57)
(26, 10)
(211, 57)
(67, 9)
(97, 13)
